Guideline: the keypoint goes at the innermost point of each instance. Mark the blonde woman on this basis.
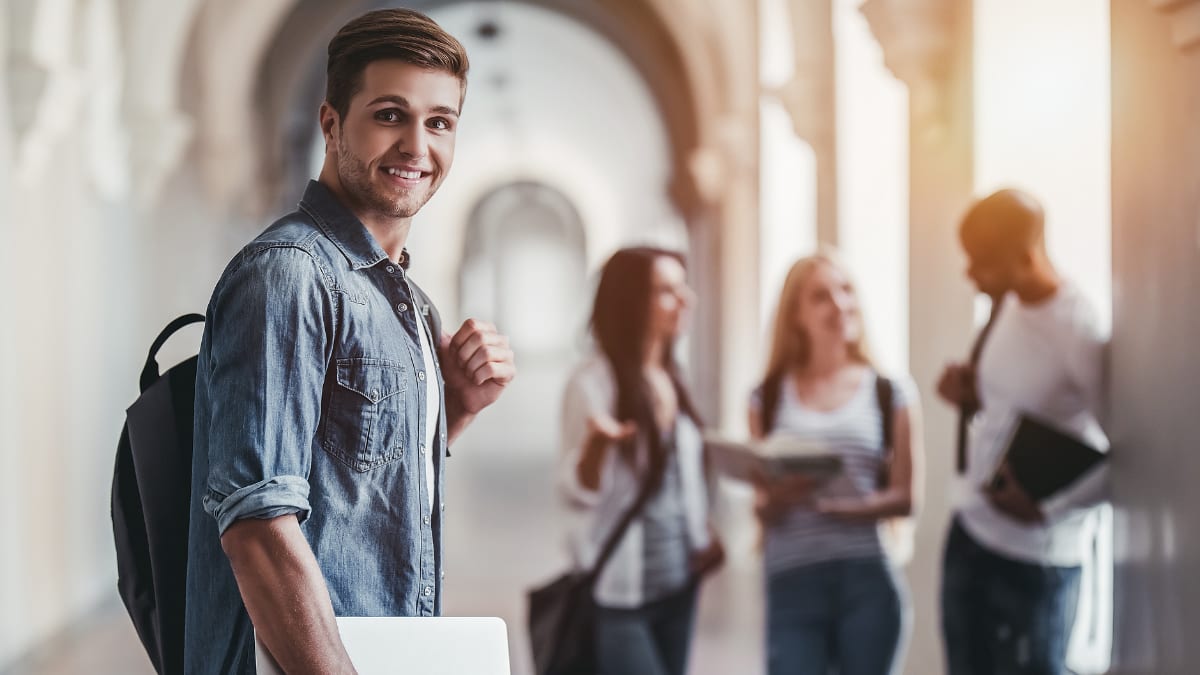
(834, 599)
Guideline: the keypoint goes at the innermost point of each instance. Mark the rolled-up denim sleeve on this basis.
(269, 325)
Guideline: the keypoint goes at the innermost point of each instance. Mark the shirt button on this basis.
(402, 307)
(374, 393)
(390, 269)
(426, 520)
(422, 449)
(428, 591)
(443, 507)
(421, 376)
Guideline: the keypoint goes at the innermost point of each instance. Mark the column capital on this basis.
(918, 41)
(1184, 16)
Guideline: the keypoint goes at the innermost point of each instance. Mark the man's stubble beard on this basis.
(355, 178)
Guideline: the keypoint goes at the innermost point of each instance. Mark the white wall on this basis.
(1043, 124)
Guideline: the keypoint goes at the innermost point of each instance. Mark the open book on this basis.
(776, 456)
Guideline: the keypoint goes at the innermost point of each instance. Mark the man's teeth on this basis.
(412, 175)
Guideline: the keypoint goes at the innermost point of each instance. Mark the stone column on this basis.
(810, 98)
(928, 45)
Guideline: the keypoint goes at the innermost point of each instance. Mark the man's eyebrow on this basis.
(403, 103)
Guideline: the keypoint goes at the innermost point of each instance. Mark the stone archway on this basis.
(524, 259)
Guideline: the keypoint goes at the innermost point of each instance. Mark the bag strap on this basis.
(885, 394)
(150, 371)
(769, 392)
(610, 544)
(966, 413)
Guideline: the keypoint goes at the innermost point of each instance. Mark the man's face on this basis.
(992, 270)
(396, 143)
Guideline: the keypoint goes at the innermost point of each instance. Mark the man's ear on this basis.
(329, 122)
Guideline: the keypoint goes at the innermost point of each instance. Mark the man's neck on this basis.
(1042, 285)
(390, 233)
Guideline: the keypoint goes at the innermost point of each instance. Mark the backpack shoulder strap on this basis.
(150, 370)
(770, 392)
(885, 395)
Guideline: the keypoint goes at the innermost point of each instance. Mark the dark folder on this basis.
(1045, 460)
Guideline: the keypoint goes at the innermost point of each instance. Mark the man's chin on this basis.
(400, 208)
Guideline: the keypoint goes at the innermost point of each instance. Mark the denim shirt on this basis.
(310, 400)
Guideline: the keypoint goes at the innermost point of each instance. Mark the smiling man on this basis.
(327, 393)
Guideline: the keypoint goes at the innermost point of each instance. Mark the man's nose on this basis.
(414, 142)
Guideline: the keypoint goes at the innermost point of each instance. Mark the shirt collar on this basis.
(344, 229)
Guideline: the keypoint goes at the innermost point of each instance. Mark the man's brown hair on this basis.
(401, 34)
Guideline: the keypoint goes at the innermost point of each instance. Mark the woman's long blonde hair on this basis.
(790, 344)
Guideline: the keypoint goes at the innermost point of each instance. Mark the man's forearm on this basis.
(285, 594)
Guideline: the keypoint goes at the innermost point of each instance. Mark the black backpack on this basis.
(151, 500)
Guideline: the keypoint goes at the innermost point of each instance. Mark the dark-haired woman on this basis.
(628, 421)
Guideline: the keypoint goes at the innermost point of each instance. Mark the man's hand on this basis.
(956, 386)
(1010, 498)
(477, 365)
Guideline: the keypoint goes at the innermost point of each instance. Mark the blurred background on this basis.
(143, 142)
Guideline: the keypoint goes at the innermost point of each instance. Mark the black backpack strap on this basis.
(150, 370)
(885, 394)
(769, 394)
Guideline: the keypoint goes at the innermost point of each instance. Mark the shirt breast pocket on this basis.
(365, 427)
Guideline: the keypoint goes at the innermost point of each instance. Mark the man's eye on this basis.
(387, 116)
(439, 123)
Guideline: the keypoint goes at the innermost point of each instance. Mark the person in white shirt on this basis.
(1012, 564)
(627, 418)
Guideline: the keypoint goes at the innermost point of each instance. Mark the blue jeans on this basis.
(650, 640)
(845, 615)
(1001, 616)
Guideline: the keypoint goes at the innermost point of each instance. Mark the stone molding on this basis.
(917, 37)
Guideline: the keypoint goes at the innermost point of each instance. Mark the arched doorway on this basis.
(524, 263)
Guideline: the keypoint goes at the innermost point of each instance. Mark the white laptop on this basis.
(426, 645)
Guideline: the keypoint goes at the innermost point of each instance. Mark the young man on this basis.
(1012, 564)
(326, 392)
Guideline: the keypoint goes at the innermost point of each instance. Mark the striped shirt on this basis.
(665, 547)
(854, 433)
